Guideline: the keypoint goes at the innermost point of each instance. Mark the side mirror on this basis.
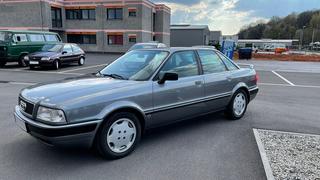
(167, 77)
(64, 52)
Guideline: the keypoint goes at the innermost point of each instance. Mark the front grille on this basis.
(26, 106)
(35, 58)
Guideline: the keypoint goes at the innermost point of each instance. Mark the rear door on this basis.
(218, 85)
(176, 100)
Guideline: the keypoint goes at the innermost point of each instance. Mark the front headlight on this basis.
(51, 115)
(45, 59)
(26, 58)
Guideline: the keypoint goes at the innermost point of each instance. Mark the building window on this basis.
(82, 38)
(132, 12)
(115, 39)
(56, 17)
(153, 21)
(81, 14)
(114, 13)
(132, 39)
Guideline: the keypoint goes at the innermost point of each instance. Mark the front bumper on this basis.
(81, 134)
(42, 63)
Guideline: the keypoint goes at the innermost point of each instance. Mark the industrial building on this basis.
(261, 43)
(96, 25)
(185, 35)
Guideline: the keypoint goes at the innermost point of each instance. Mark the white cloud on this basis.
(218, 14)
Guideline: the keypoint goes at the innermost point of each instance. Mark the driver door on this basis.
(67, 53)
(177, 100)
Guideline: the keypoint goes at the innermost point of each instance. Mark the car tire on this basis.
(56, 64)
(3, 63)
(118, 135)
(22, 62)
(237, 106)
(81, 61)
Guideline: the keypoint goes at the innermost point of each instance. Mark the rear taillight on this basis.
(256, 78)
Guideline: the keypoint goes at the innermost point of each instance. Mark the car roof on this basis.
(175, 49)
(148, 43)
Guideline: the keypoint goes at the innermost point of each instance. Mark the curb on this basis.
(263, 155)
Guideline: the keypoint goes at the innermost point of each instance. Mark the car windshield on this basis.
(52, 47)
(138, 65)
(143, 46)
(4, 37)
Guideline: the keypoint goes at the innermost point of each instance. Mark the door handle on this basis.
(198, 83)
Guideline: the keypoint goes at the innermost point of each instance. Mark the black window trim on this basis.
(156, 76)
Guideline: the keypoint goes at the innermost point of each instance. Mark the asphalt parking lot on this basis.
(208, 147)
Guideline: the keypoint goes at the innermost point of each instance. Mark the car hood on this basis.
(65, 91)
(43, 54)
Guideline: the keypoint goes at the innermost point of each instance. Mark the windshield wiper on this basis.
(115, 76)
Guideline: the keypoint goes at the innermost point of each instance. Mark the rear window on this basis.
(51, 38)
(36, 37)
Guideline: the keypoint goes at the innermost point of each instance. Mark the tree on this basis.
(315, 21)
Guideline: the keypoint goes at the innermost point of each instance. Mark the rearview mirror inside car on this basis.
(167, 77)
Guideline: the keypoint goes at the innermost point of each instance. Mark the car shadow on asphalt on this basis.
(29, 149)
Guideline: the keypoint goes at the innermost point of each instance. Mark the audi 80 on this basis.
(142, 89)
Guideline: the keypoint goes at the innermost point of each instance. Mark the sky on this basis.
(230, 15)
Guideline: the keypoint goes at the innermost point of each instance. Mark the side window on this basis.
(228, 62)
(20, 38)
(211, 62)
(51, 38)
(76, 48)
(183, 63)
(36, 37)
(67, 48)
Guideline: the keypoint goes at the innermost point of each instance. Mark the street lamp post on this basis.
(301, 37)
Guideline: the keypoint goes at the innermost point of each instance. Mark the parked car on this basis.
(142, 89)
(15, 45)
(55, 55)
(149, 45)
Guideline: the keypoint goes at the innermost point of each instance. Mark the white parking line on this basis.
(288, 85)
(40, 72)
(87, 67)
(286, 80)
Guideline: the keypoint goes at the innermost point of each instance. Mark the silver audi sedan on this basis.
(110, 110)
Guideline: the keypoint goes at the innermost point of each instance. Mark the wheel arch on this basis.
(124, 106)
(244, 87)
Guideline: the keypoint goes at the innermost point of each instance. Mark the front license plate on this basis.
(21, 123)
(33, 62)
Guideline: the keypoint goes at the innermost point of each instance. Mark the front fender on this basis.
(120, 105)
